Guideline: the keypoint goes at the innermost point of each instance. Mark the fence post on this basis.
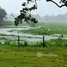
(18, 40)
(44, 42)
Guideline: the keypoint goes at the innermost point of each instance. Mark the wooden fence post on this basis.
(44, 42)
(18, 40)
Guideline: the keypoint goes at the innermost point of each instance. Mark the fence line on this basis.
(18, 40)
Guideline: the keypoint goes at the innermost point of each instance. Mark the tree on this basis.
(61, 1)
(2, 15)
(25, 13)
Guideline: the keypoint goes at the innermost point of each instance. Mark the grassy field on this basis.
(34, 55)
(12, 56)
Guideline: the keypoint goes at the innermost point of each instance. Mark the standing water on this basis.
(27, 37)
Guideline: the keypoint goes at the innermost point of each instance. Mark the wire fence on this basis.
(11, 39)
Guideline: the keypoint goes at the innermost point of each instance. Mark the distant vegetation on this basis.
(52, 18)
(48, 28)
(2, 16)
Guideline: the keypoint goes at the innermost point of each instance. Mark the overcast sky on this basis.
(44, 8)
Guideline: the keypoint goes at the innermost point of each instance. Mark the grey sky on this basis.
(44, 8)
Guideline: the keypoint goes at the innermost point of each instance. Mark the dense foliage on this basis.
(25, 13)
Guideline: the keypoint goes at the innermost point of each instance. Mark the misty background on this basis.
(46, 18)
(46, 12)
(44, 8)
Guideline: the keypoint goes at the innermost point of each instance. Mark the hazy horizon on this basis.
(44, 8)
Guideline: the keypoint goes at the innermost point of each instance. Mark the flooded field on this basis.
(7, 33)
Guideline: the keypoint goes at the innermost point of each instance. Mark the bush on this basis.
(25, 44)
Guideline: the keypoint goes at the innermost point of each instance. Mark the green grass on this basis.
(61, 65)
(12, 56)
(57, 43)
(48, 43)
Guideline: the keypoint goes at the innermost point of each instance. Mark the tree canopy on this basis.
(25, 13)
(2, 15)
(61, 1)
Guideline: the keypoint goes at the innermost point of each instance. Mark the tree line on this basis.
(2, 16)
